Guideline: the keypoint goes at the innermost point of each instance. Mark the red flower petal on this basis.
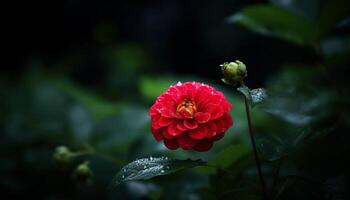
(171, 144)
(154, 123)
(166, 133)
(217, 137)
(165, 121)
(228, 120)
(217, 112)
(199, 133)
(203, 145)
(181, 126)
(202, 117)
(186, 142)
(190, 115)
(212, 129)
(190, 124)
(157, 134)
(202, 97)
(221, 125)
(216, 99)
(173, 130)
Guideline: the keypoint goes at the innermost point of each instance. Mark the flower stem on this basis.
(255, 151)
(91, 151)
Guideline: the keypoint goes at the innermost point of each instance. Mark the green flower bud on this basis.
(62, 156)
(233, 72)
(83, 173)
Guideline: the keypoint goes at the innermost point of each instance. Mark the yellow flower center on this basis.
(186, 107)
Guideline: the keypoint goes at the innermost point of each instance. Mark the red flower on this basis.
(191, 116)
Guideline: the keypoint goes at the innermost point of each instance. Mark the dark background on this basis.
(186, 37)
(83, 74)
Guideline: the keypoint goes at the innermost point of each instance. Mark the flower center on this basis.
(186, 108)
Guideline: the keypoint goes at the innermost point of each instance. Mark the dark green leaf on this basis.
(277, 22)
(255, 96)
(245, 91)
(332, 12)
(151, 88)
(336, 46)
(98, 106)
(309, 9)
(229, 156)
(146, 168)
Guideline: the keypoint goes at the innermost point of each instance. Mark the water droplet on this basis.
(123, 176)
(151, 158)
(162, 171)
(179, 83)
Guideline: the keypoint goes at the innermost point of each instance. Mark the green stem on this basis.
(255, 151)
(92, 152)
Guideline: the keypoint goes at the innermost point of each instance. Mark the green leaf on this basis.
(111, 131)
(277, 22)
(331, 12)
(309, 9)
(255, 96)
(245, 91)
(146, 168)
(151, 88)
(98, 106)
(339, 45)
(229, 156)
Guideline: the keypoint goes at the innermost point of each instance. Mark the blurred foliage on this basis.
(301, 127)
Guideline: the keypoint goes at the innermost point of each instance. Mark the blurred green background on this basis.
(84, 73)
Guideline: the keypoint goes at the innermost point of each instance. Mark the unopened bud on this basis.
(233, 72)
(83, 173)
(62, 156)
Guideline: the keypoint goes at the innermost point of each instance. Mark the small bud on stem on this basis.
(62, 156)
(234, 72)
(83, 173)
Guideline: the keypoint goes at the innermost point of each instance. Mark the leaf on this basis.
(98, 106)
(229, 156)
(255, 96)
(277, 22)
(110, 132)
(309, 9)
(226, 158)
(245, 91)
(151, 88)
(332, 12)
(272, 148)
(146, 168)
(296, 102)
(339, 45)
